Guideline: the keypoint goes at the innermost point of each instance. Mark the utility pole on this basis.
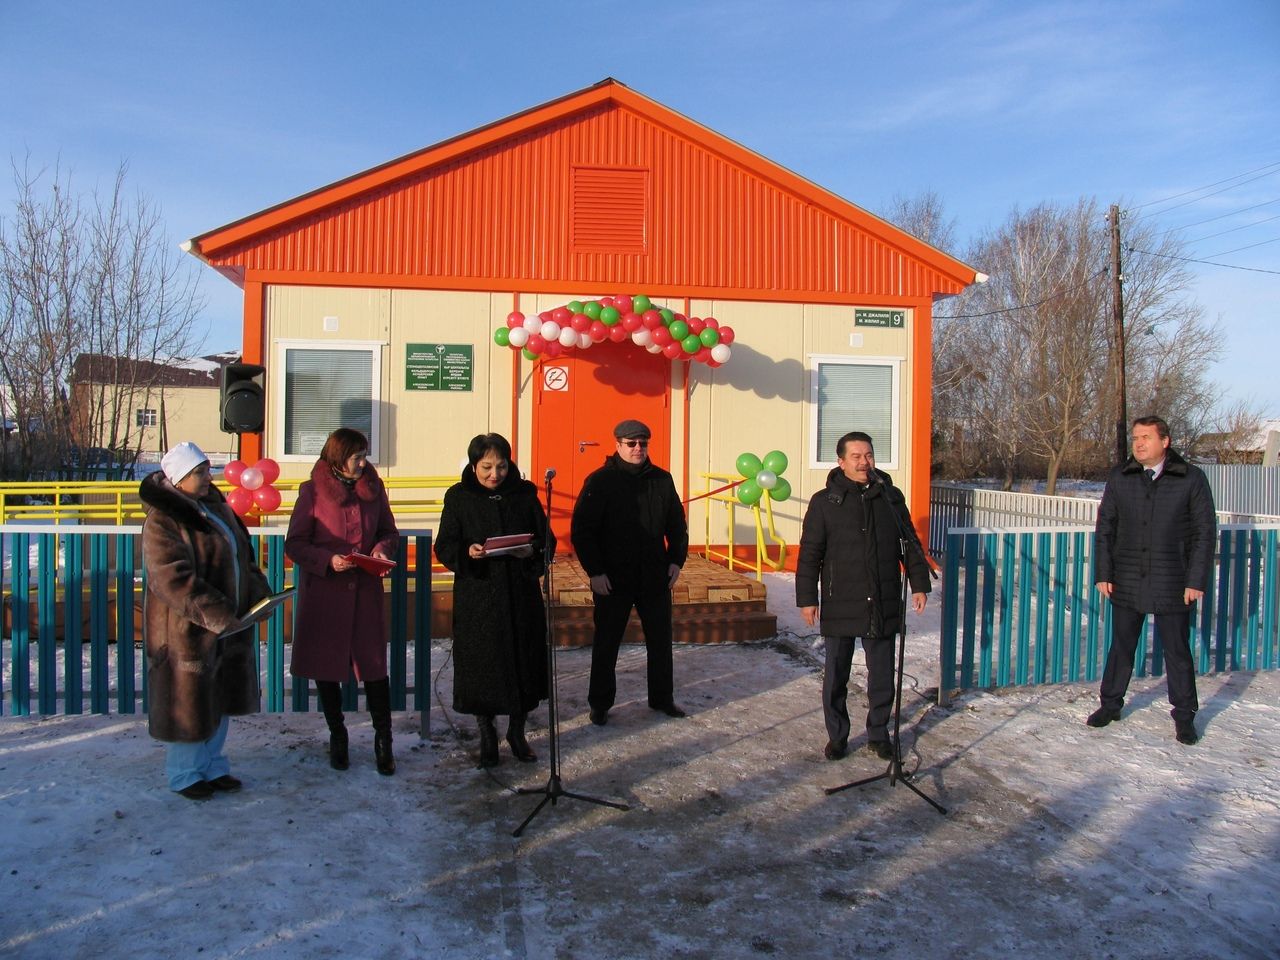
(1117, 315)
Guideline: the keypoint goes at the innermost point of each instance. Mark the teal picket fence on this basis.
(1019, 607)
(72, 599)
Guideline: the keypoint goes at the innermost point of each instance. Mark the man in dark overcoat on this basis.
(849, 568)
(1153, 554)
(630, 535)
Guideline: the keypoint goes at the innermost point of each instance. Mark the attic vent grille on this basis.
(609, 205)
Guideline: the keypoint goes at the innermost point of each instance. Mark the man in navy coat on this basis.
(1153, 555)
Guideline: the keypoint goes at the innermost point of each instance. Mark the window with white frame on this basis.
(327, 385)
(854, 394)
(145, 417)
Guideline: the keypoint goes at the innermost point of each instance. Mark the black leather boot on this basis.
(516, 740)
(377, 693)
(330, 695)
(488, 741)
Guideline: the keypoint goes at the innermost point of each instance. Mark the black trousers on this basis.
(835, 686)
(611, 614)
(1175, 637)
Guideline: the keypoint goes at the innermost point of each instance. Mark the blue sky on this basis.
(223, 109)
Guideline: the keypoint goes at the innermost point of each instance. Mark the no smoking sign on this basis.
(555, 379)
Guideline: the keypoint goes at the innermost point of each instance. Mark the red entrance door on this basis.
(578, 399)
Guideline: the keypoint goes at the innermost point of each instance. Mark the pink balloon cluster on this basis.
(580, 324)
(252, 486)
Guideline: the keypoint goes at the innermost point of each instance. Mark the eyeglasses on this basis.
(634, 443)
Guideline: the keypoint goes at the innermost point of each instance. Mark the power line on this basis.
(1244, 226)
(1260, 243)
(1221, 216)
(1205, 187)
(1206, 196)
(1026, 306)
(1230, 266)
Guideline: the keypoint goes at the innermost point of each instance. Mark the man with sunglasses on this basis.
(630, 535)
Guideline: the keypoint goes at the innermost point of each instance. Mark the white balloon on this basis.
(721, 353)
(584, 341)
(532, 324)
(251, 478)
(642, 337)
(518, 336)
(568, 337)
(550, 331)
(653, 348)
(767, 479)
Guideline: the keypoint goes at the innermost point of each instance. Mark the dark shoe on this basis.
(881, 748)
(225, 783)
(833, 751)
(488, 742)
(382, 756)
(599, 717)
(670, 709)
(377, 694)
(200, 790)
(1102, 716)
(1185, 731)
(516, 739)
(338, 756)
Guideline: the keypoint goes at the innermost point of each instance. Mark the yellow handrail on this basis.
(730, 500)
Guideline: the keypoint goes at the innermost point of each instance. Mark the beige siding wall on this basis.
(191, 414)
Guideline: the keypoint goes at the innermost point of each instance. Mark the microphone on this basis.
(551, 473)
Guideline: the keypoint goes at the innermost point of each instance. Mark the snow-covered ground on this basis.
(1059, 840)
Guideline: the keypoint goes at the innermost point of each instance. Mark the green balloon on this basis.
(749, 465)
(776, 461)
(666, 315)
(609, 316)
(502, 336)
(709, 337)
(529, 354)
(691, 344)
(749, 492)
(641, 303)
(574, 306)
(679, 330)
(592, 309)
(781, 490)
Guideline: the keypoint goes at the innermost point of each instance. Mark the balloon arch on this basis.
(578, 325)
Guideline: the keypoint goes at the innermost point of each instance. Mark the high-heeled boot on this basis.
(330, 696)
(488, 741)
(516, 740)
(377, 694)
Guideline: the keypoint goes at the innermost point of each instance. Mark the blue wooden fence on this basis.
(84, 574)
(1019, 607)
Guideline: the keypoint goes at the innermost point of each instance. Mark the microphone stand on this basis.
(894, 772)
(554, 788)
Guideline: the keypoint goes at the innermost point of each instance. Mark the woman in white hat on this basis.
(201, 578)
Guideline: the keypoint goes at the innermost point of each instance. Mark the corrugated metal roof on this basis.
(600, 188)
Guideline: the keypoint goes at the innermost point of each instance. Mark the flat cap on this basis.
(631, 430)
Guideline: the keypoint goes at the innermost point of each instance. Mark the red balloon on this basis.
(515, 319)
(544, 316)
(536, 344)
(269, 469)
(631, 322)
(713, 362)
(624, 303)
(726, 335)
(682, 317)
(561, 315)
(231, 473)
(661, 336)
(241, 501)
(266, 498)
(598, 331)
(618, 333)
(711, 322)
(580, 322)
(673, 350)
(554, 349)
(696, 326)
(703, 354)
(652, 319)
(607, 302)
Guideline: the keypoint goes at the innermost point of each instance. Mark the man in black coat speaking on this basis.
(630, 536)
(1153, 554)
(850, 547)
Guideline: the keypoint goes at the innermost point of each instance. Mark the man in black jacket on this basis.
(850, 546)
(1153, 554)
(630, 535)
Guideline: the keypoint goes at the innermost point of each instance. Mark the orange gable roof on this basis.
(601, 188)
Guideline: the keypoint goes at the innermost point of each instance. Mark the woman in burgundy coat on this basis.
(341, 510)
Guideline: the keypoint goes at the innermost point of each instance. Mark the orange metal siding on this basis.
(503, 214)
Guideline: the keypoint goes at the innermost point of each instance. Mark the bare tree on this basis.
(95, 277)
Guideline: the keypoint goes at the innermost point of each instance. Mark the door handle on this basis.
(583, 444)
